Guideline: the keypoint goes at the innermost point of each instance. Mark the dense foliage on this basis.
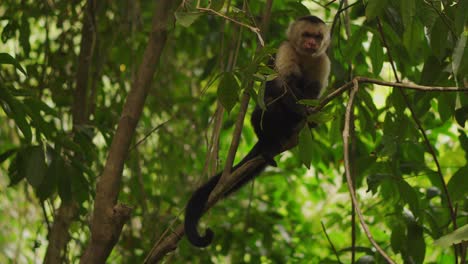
(408, 153)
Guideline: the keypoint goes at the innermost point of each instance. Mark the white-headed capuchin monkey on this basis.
(303, 68)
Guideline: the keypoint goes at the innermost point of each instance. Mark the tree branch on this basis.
(338, 91)
(349, 179)
(108, 216)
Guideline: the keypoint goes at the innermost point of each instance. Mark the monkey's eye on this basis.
(312, 35)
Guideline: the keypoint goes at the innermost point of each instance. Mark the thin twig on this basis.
(331, 2)
(322, 5)
(243, 107)
(253, 29)
(330, 242)
(149, 134)
(338, 91)
(349, 180)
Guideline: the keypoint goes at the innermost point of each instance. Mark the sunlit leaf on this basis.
(458, 52)
(186, 19)
(5, 58)
(454, 237)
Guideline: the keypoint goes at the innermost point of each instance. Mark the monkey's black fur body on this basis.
(274, 128)
(303, 69)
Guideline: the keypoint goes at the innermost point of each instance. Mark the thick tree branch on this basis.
(109, 217)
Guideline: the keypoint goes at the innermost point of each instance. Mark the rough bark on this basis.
(108, 216)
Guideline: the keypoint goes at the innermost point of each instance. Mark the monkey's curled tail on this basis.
(196, 205)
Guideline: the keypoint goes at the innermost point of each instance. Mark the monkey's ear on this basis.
(290, 31)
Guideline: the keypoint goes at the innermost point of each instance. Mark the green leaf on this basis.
(261, 97)
(463, 141)
(454, 237)
(9, 31)
(305, 146)
(79, 185)
(375, 8)
(461, 115)
(309, 102)
(446, 105)
(412, 37)
(49, 184)
(426, 14)
(228, 91)
(408, 10)
(186, 19)
(355, 44)
(34, 165)
(16, 169)
(25, 32)
(5, 58)
(410, 196)
(376, 55)
(366, 259)
(38, 121)
(438, 39)
(298, 8)
(5, 155)
(15, 110)
(398, 237)
(458, 184)
(431, 71)
(458, 53)
(320, 117)
(216, 4)
(64, 183)
(416, 245)
(461, 16)
(38, 105)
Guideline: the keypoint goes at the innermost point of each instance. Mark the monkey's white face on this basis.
(309, 39)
